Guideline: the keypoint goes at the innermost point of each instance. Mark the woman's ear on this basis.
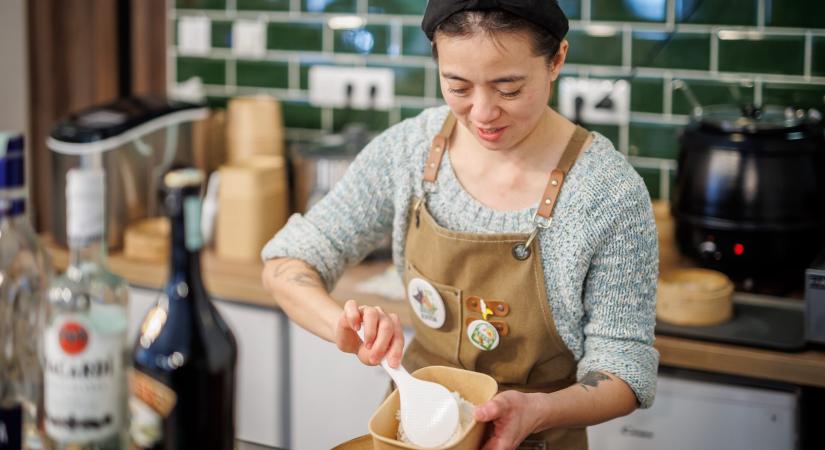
(558, 60)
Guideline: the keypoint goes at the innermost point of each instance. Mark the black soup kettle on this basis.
(749, 194)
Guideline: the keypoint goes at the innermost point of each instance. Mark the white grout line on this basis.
(670, 21)
(327, 40)
(395, 39)
(809, 49)
(667, 95)
(714, 52)
(231, 7)
(659, 119)
(586, 11)
(231, 75)
(297, 16)
(395, 115)
(431, 80)
(664, 181)
(624, 139)
(171, 61)
(361, 7)
(627, 47)
(760, 14)
(757, 91)
(294, 73)
(326, 119)
(646, 162)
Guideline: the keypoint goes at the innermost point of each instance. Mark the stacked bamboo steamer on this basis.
(694, 297)
(687, 296)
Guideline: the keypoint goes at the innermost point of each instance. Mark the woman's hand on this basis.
(383, 334)
(512, 416)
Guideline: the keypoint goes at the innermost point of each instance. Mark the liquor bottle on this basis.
(25, 270)
(84, 345)
(182, 382)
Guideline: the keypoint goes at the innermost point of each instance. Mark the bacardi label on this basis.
(150, 402)
(83, 380)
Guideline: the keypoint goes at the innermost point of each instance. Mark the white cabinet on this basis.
(693, 415)
(333, 393)
(261, 389)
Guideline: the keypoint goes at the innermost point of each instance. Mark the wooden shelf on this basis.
(240, 281)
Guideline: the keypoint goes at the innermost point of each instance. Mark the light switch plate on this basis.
(249, 38)
(194, 35)
(601, 101)
(351, 87)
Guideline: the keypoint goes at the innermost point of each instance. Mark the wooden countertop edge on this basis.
(240, 282)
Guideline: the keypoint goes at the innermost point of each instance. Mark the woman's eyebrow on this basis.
(504, 79)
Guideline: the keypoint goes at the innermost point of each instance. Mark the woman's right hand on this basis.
(383, 334)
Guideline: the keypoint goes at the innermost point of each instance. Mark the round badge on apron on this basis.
(426, 302)
(483, 335)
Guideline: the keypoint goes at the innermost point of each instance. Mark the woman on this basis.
(527, 245)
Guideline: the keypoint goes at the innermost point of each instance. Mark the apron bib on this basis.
(451, 275)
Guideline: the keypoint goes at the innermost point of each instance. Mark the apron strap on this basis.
(568, 158)
(437, 148)
(548, 202)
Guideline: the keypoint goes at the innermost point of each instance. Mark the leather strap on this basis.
(554, 184)
(500, 309)
(437, 149)
(568, 158)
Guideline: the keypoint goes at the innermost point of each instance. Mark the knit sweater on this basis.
(600, 255)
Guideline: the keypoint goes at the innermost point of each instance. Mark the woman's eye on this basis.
(457, 91)
(513, 94)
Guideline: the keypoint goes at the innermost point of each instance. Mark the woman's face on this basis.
(496, 87)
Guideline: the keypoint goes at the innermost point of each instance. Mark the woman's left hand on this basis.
(512, 417)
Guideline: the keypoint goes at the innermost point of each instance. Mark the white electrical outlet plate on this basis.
(194, 35)
(249, 38)
(602, 101)
(351, 87)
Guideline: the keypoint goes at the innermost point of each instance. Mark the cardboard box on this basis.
(253, 204)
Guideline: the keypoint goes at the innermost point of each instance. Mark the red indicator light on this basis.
(738, 249)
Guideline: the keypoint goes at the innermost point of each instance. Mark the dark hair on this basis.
(492, 22)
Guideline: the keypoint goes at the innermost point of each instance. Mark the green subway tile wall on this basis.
(727, 51)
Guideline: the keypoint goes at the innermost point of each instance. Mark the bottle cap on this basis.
(84, 203)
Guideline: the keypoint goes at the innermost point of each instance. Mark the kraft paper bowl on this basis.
(474, 387)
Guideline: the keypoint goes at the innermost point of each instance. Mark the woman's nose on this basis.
(485, 109)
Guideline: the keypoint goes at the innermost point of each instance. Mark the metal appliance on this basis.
(136, 140)
(748, 193)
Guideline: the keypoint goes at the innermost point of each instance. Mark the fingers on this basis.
(396, 349)
(352, 315)
(383, 334)
(489, 411)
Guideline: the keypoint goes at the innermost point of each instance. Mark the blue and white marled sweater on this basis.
(600, 255)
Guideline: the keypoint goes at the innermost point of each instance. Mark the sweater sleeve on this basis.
(620, 293)
(349, 222)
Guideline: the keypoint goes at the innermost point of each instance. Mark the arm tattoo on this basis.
(296, 272)
(592, 379)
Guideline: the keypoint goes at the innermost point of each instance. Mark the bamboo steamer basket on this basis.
(694, 297)
(474, 387)
(147, 240)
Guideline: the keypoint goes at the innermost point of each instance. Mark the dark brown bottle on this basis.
(182, 385)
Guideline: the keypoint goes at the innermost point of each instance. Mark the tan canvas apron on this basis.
(466, 267)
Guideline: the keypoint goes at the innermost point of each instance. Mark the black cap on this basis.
(544, 13)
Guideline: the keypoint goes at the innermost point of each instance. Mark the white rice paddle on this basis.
(429, 412)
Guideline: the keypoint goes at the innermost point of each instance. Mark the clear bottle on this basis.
(183, 379)
(25, 270)
(84, 345)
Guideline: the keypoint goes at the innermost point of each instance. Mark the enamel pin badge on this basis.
(482, 333)
(426, 302)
